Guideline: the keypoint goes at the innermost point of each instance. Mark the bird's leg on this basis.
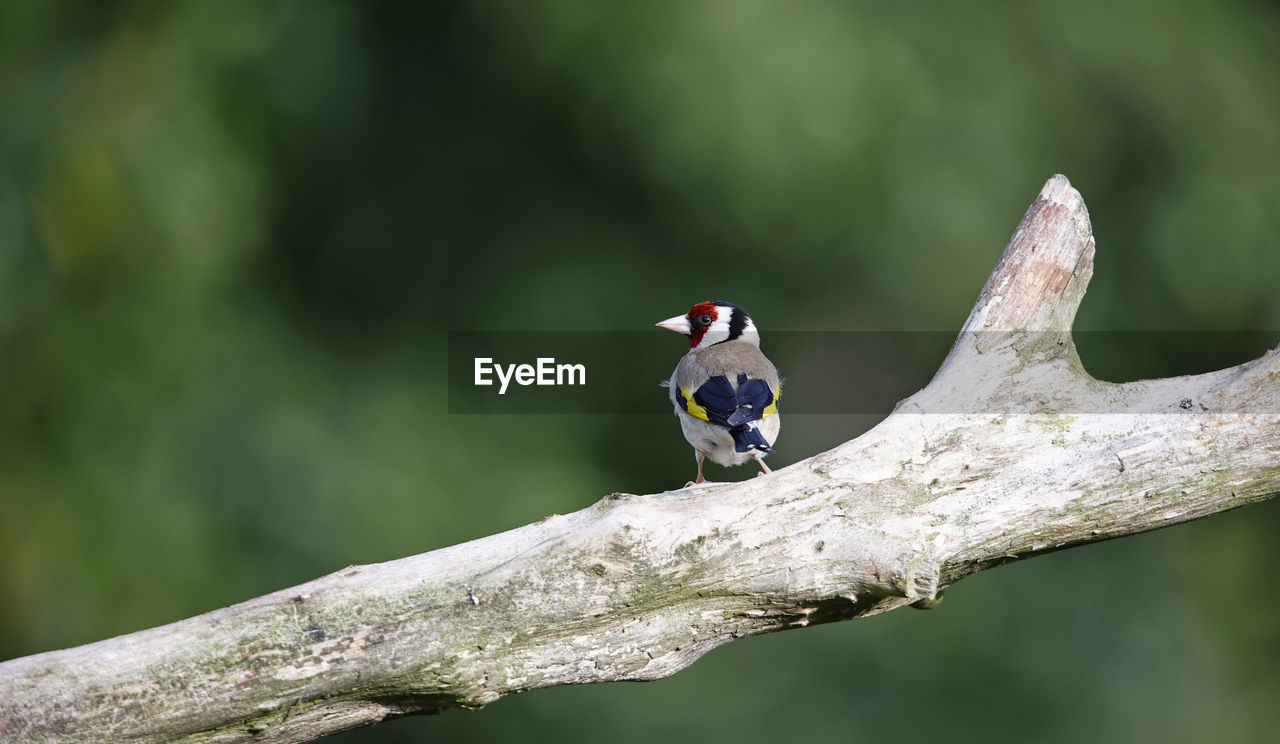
(699, 457)
(764, 468)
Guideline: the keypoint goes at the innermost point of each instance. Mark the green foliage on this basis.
(233, 235)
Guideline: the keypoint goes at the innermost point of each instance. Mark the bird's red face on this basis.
(694, 324)
(700, 317)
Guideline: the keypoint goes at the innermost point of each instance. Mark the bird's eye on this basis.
(704, 320)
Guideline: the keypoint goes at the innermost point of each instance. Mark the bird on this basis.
(725, 391)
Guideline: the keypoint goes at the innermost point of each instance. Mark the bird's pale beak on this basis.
(679, 324)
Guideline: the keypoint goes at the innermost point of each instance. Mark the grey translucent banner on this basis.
(840, 372)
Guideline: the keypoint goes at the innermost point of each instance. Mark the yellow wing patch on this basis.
(692, 406)
(772, 408)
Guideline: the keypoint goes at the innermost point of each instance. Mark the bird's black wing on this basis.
(717, 402)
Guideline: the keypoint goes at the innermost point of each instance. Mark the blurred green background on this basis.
(233, 236)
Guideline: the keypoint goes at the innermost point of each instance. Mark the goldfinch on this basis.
(725, 390)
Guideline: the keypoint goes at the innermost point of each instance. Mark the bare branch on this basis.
(1011, 451)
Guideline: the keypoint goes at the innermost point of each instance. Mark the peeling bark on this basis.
(1012, 450)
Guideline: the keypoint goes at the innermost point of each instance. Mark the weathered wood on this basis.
(1010, 451)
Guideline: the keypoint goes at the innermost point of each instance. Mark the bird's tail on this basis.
(748, 437)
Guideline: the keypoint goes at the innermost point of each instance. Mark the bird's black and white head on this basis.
(710, 323)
